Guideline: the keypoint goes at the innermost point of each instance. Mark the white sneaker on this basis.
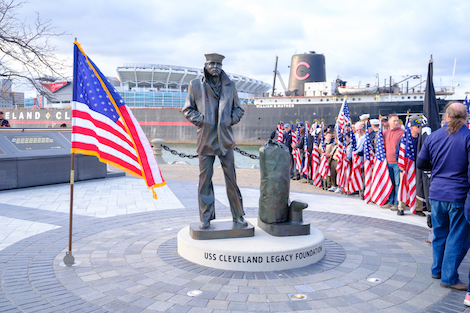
(338, 190)
(332, 188)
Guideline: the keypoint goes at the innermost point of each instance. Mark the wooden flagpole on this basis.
(69, 260)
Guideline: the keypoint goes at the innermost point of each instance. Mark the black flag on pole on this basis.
(431, 122)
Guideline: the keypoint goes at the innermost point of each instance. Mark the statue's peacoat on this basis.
(214, 128)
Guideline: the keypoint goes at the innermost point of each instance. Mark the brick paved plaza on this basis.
(126, 245)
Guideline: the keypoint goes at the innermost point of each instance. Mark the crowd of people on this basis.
(337, 153)
(343, 155)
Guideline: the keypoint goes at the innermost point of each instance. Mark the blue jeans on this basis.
(451, 239)
(467, 217)
(394, 171)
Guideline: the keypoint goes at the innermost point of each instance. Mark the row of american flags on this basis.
(369, 174)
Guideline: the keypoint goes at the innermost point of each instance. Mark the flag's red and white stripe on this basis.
(296, 152)
(381, 183)
(368, 170)
(401, 153)
(125, 147)
(324, 167)
(339, 164)
(280, 134)
(407, 190)
(305, 168)
(316, 177)
(345, 171)
(342, 176)
(356, 182)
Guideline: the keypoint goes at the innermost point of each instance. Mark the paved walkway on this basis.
(126, 245)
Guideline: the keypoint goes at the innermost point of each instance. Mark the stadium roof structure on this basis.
(176, 78)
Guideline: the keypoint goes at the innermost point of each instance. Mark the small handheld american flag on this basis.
(305, 168)
(324, 166)
(316, 177)
(407, 189)
(381, 183)
(368, 168)
(295, 150)
(344, 116)
(355, 178)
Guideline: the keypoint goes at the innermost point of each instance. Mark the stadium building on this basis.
(157, 85)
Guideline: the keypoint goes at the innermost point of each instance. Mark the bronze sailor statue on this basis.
(212, 105)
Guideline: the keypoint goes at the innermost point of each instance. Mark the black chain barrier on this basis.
(244, 153)
(181, 155)
(192, 156)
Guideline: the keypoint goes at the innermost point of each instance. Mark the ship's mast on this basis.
(275, 72)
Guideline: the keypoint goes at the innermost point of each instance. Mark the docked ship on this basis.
(156, 94)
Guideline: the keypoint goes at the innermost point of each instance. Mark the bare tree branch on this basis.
(26, 52)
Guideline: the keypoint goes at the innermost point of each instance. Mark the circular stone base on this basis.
(262, 252)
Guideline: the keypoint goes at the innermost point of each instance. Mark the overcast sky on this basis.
(358, 38)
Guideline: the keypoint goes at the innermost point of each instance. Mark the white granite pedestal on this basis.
(262, 252)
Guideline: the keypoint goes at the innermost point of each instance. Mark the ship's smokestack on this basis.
(306, 68)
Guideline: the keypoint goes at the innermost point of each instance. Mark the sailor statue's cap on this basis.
(214, 57)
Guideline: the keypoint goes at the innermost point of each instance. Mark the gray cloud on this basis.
(358, 38)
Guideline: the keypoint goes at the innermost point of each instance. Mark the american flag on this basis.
(344, 172)
(381, 183)
(467, 105)
(368, 167)
(401, 151)
(280, 133)
(407, 190)
(295, 151)
(324, 166)
(339, 164)
(316, 177)
(344, 116)
(305, 168)
(103, 126)
(355, 178)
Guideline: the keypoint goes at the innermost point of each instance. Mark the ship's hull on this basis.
(254, 128)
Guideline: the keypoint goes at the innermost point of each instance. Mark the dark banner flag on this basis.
(431, 122)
